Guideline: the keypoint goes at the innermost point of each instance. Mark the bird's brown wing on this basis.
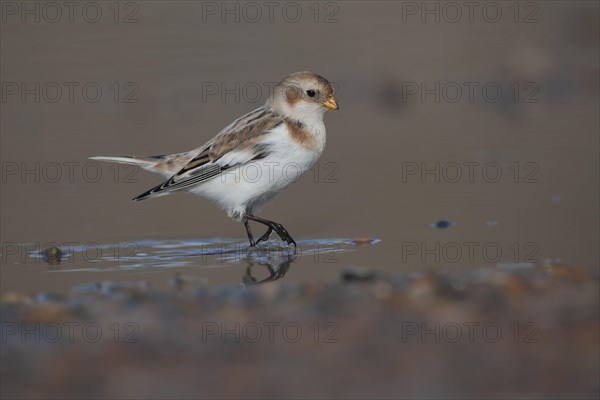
(244, 137)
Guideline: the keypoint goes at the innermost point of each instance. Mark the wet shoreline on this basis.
(429, 333)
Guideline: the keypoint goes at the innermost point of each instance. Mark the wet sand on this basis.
(524, 331)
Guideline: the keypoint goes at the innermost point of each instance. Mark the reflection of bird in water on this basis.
(276, 269)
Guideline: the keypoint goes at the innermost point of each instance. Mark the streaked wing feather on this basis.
(241, 140)
(201, 174)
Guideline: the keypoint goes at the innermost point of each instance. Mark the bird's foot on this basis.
(280, 231)
(284, 234)
(263, 238)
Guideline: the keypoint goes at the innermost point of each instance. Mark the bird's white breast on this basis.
(246, 187)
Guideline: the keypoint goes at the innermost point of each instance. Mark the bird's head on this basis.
(303, 95)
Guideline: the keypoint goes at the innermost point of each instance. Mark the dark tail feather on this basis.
(154, 192)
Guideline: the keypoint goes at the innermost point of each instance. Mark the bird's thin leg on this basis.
(273, 226)
(249, 232)
(265, 236)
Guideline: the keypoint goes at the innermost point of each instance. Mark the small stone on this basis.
(16, 298)
(382, 290)
(516, 285)
(49, 312)
(49, 297)
(442, 224)
(52, 255)
(422, 287)
(178, 281)
(363, 241)
(358, 274)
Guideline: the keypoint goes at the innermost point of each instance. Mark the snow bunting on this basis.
(253, 158)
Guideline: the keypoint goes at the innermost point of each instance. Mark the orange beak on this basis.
(331, 103)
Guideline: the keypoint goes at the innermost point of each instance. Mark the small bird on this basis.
(253, 158)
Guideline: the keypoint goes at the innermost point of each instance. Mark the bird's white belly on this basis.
(248, 185)
(246, 188)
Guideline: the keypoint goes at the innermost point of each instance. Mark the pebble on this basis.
(358, 274)
(442, 224)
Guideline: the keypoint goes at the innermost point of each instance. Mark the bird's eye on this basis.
(310, 93)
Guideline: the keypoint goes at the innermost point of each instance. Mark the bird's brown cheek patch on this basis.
(292, 94)
(302, 136)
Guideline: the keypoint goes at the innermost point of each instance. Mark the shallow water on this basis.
(169, 264)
